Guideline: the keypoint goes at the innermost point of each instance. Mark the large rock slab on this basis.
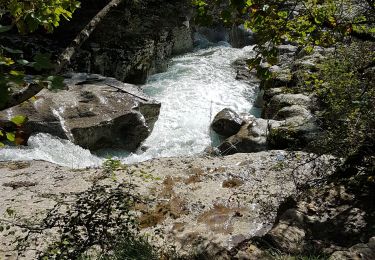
(93, 112)
(197, 204)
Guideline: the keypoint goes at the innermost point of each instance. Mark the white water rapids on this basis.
(195, 87)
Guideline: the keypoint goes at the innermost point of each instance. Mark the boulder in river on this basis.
(93, 112)
(227, 122)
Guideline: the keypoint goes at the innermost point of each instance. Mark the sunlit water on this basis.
(194, 88)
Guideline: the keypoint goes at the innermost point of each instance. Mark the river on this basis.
(194, 88)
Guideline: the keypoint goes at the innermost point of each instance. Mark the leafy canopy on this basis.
(304, 22)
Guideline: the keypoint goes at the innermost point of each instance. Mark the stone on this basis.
(294, 132)
(286, 49)
(270, 92)
(93, 112)
(134, 40)
(243, 73)
(277, 102)
(358, 251)
(280, 77)
(240, 37)
(227, 122)
(293, 111)
(188, 215)
(289, 238)
(252, 137)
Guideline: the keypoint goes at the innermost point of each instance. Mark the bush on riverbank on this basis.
(345, 86)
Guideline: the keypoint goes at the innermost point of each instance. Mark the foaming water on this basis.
(194, 88)
(52, 149)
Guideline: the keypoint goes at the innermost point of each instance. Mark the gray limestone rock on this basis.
(93, 112)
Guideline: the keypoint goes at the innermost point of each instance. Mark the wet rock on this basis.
(206, 36)
(252, 137)
(280, 77)
(227, 122)
(287, 49)
(243, 72)
(293, 111)
(240, 37)
(93, 112)
(134, 40)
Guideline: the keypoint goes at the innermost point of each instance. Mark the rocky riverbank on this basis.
(257, 203)
(196, 204)
(330, 220)
(288, 119)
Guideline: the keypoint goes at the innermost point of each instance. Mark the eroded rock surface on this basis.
(93, 112)
(329, 220)
(198, 204)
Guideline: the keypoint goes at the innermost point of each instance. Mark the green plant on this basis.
(307, 23)
(100, 218)
(344, 84)
(110, 165)
(21, 79)
(28, 16)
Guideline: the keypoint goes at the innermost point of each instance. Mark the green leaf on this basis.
(42, 61)
(16, 73)
(10, 50)
(5, 28)
(19, 120)
(56, 82)
(11, 137)
(23, 62)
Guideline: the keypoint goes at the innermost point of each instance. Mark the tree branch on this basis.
(21, 96)
(64, 58)
(69, 52)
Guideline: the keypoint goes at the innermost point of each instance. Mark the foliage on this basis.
(16, 72)
(345, 86)
(132, 248)
(100, 219)
(110, 165)
(28, 16)
(10, 132)
(306, 23)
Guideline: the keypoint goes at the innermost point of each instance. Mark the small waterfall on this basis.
(58, 113)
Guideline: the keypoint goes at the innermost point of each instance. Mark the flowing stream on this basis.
(195, 87)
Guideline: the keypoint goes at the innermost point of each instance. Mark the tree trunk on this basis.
(63, 59)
